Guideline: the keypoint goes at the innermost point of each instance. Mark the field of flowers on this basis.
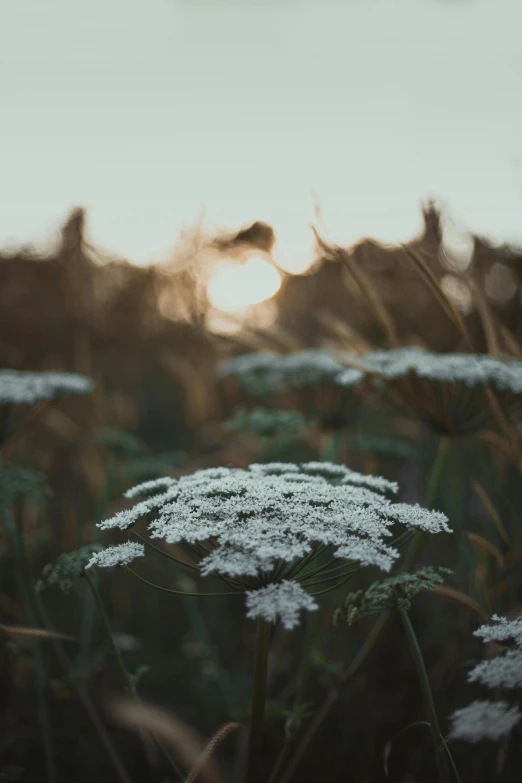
(287, 554)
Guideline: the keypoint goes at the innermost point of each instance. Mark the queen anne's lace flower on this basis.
(26, 388)
(445, 389)
(304, 380)
(284, 599)
(266, 373)
(504, 671)
(261, 524)
(470, 369)
(485, 720)
(502, 631)
(119, 555)
(493, 719)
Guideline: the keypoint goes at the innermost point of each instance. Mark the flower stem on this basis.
(410, 558)
(26, 593)
(432, 493)
(130, 683)
(442, 764)
(175, 592)
(184, 563)
(257, 708)
(110, 636)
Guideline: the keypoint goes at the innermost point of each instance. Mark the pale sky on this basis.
(144, 111)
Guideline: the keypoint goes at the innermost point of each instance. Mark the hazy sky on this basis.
(144, 111)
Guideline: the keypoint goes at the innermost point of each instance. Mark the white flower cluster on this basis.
(275, 514)
(469, 369)
(119, 555)
(493, 719)
(284, 599)
(265, 373)
(485, 720)
(19, 387)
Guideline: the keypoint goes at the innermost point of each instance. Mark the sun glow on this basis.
(233, 287)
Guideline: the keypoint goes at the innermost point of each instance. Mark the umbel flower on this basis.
(304, 380)
(260, 530)
(19, 387)
(21, 391)
(487, 719)
(447, 390)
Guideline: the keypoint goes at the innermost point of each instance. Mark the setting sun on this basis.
(232, 288)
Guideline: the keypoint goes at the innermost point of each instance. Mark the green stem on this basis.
(410, 558)
(26, 592)
(257, 708)
(146, 542)
(442, 764)
(131, 686)
(110, 636)
(432, 494)
(175, 592)
(83, 695)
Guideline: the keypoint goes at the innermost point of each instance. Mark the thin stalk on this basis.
(432, 493)
(410, 558)
(334, 587)
(279, 761)
(322, 568)
(110, 636)
(131, 685)
(442, 762)
(257, 709)
(330, 578)
(26, 590)
(175, 592)
(83, 695)
(295, 568)
(162, 552)
(299, 693)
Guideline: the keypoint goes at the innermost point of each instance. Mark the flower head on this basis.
(264, 525)
(493, 719)
(119, 555)
(27, 388)
(485, 720)
(446, 390)
(304, 380)
(284, 599)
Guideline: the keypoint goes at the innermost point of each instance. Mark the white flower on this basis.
(484, 720)
(285, 599)
(416, 516)
(26, 388)
(502, 631)
(265, 373)
(502, 671)
(119, 555)
(469, 369)
(148, 487)
(275, 515)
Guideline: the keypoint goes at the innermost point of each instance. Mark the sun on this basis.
(233, 287)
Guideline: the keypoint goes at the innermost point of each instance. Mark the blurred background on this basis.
(185, 181)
